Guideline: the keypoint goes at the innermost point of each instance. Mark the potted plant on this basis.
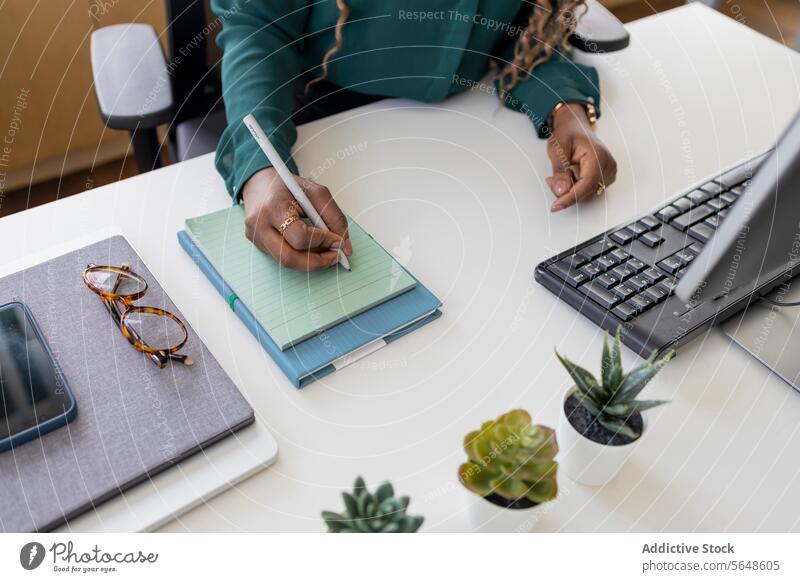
(511, 468)
(601, 420)
(379, 512)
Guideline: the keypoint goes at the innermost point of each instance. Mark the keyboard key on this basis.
(596, 293)
(641, 303)
(712, 221)
(571, 276)
(671, 265)
(701, 232)
(607, 280)
(619, 255)
(717, 203)
(723, 213)
(639, 283)
(680, 273)
(622, 272)
(657, 294)
(624, 311)
(713, 188)
(591, 270)
(736, 176)
(668, 213)
(651, 239)
(637, 228)
(624, 291)
(594, 250)
(696, 247)
(622, 236)
(728, 197)
(653, 275)
(576, 278)
(668, 284)
(606, 263)
(685, 256)
(695, 215)
(698, 197)
(573, 261)
(635, 264)
(682, 204)
(650, 222)
(691, 250)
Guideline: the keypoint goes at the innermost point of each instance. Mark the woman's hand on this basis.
(268, 202)
(581, 162)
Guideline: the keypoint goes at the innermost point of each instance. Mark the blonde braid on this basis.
(344, 13)
(547, 30)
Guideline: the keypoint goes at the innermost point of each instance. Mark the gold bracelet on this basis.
(591, 112)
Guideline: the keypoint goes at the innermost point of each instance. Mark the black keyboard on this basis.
(627, 276)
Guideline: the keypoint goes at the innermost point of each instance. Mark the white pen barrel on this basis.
(283, 171)
(286, 176)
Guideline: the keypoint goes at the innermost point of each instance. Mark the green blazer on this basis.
(417, 49)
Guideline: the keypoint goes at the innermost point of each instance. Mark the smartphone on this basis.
(34, 395)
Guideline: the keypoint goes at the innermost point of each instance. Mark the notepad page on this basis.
(293, 305)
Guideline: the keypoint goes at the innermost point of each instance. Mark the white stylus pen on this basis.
(277, 162)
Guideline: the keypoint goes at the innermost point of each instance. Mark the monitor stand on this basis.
(771, 334)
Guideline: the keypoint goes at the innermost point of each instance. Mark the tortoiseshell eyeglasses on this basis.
(155, 332)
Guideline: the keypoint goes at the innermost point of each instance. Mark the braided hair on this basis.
(547, 30)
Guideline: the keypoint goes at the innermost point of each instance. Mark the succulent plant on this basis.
(379, 512)
(512, 458)
(612, 400)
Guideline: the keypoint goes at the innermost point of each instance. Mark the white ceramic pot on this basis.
(487, 517)
(585, 461)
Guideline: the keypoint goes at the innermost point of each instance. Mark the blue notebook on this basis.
(339, 345)
(292, 306)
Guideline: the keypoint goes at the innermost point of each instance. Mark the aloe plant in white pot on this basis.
(601, 420)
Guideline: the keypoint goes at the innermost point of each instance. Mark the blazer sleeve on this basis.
(558, 79)
(261, 44)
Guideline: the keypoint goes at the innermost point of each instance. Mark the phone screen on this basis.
(31, 389)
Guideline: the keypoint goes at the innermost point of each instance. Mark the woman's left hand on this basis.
(582, 165)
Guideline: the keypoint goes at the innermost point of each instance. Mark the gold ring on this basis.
(600, 189)
(285, 224)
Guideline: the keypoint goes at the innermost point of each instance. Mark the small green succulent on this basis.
(511, 457)
(379, 512)
(612, 401)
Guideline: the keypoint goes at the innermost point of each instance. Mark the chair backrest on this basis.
(193, 57)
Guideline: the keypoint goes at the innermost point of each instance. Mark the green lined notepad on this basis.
(292, 305)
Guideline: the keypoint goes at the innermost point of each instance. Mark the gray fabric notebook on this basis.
(133, 420)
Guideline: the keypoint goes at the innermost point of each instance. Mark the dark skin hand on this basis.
(268, 202)
(580, 160)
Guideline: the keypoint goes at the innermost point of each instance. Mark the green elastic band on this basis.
(231, 299)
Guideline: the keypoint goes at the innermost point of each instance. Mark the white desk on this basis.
(458, 190)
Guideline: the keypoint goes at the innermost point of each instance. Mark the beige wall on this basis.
(48, 114)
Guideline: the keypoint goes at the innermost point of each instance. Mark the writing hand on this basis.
(268, 203)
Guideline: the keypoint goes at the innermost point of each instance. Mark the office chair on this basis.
(137, 89)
